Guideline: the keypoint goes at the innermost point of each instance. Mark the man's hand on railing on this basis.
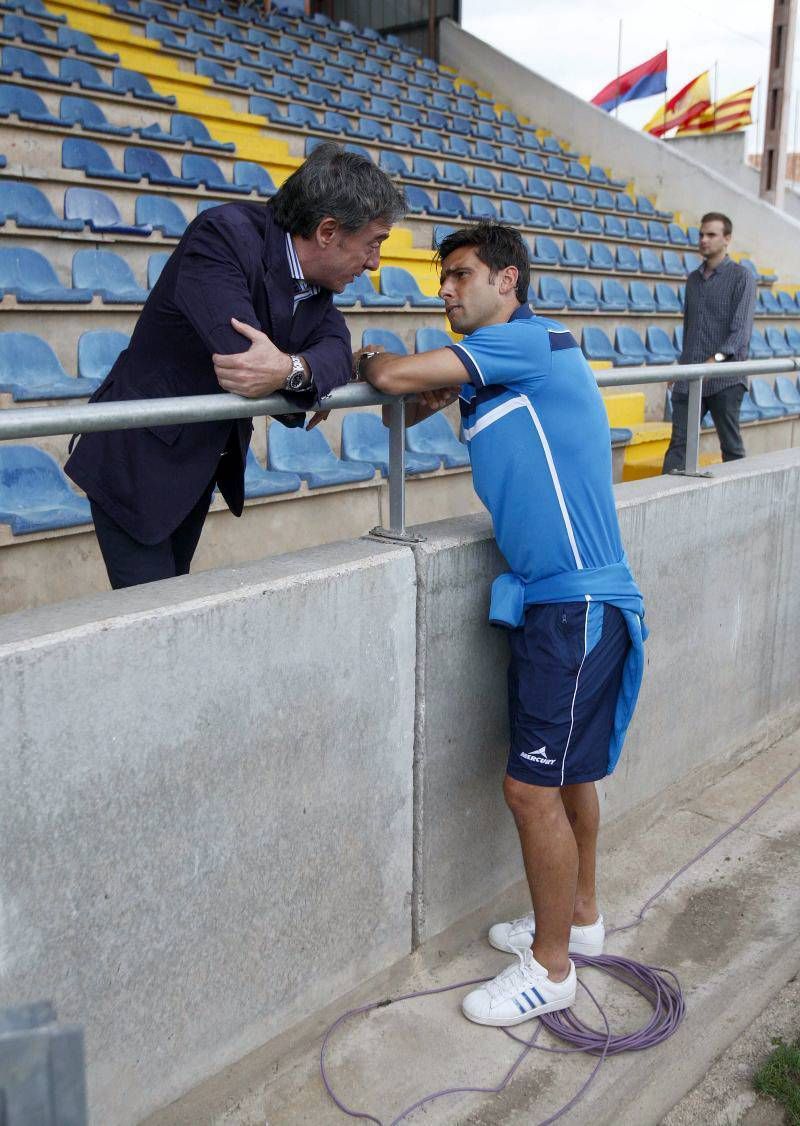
(259, 371)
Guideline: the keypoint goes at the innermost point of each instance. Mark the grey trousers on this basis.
(724, 407)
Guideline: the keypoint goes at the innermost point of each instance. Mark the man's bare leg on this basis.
(583, 811)
(550, 854)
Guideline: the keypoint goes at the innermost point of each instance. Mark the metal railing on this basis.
(36, 422)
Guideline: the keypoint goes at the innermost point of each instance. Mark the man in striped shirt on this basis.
(717, 322)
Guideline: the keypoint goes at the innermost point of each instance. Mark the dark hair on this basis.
(344, 185)
(717, 216)
(497, 246)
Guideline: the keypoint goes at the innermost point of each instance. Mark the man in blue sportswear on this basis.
(541, 462)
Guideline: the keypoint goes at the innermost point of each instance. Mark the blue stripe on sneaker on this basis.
(538, 994)
(530, 1002)
(516, 1002)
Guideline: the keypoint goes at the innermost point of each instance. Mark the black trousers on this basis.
(130, 563)
(724, 407)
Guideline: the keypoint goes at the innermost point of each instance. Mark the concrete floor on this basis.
(728, 927)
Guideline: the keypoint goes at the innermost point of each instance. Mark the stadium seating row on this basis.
(30, 65)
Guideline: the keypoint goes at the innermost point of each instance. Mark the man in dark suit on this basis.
(243, 305)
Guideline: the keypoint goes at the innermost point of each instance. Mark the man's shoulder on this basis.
(249, 220)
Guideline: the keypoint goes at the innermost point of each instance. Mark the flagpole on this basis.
(666, 50)
(619, 68)
(757, 122)
(716, 93)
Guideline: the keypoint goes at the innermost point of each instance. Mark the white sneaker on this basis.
(519, 993)
(518, 935)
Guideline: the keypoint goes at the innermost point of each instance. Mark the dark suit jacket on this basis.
(231, 262)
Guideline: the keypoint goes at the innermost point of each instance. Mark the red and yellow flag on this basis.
(683, 108)
(725, 116)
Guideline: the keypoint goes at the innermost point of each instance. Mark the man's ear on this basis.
(326, 231)
(508, 280)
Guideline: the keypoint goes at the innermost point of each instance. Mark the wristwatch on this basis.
(297, 379)
(720, 357)
(357, 377)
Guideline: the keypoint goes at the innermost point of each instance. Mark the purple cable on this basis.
(652, 982)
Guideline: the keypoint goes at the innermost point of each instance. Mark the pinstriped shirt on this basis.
(302, 289)
(718, 317)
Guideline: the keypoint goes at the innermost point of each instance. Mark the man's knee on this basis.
(528, 802)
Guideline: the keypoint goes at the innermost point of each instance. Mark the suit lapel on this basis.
(278, 284)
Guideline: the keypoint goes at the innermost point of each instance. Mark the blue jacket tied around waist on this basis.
(613, 584)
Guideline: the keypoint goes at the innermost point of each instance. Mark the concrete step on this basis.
(727, 928)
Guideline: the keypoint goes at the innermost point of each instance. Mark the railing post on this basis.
(691, 466)
(397, 478)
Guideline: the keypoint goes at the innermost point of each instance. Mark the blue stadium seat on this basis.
(30, 276)
(29, 369)
(98, 351)
(29, 64)
(100, 212)
(29, 207)
(600, 257)
(787, 303)
(428, 139)
(368, 129)
(147, 163)
(677, 235)
(574, 255)
(451, 205)
(84, 74)
(748, 412)
(777, 342)
(260, 482)
(583, 297)
(558, 192)
(644, 206)
(361, 289)
(394, 165)
(26, 104)
(576, 171)
(650, 261)
(155, 264)
(510, 156)
(673, 264)
(693, 235)
(510, 212)
(552, 294)
(627, 262)
(565, 220)
(484, 179)
(423, 168)
(615, 227)
(545, 252)
(759, 349)
(428, 339)
(128, 82)
(613, 297)
(164, 35)
(455, 174)
(265, 107)
(511, 184)
(659, 343)
(591, 223)
(396, 282)
(206, 171)
(604, 199)
(459, 146)
(383, 338)
(33, 8)
(556, 166)
(252, 176)
(418, 201)
(629, 345)
(84, 112)
(787, 394)
(771, 304)
(636, 229)
(303, 116)
(161, 213)
(692, 260)
(366, 439)
(533, 162)
(765, 400)
(105, 273)
(597, 346)
(625, 203)
(678, 338)
(657, 232)
(91, 158)
(307, 453)
(35, 495)
(640, 298)
(194, 131)
(667, 300)
(483, 208)
(540, 217)
(434, 437)
(597, 174)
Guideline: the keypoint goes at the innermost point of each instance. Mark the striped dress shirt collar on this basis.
(302, 289)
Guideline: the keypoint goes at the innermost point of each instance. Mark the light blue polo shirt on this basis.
(540, 446)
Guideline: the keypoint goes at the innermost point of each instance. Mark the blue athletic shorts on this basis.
(563, 682)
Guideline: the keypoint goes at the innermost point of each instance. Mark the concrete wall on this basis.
(231, 797)
(206, 809)
(680, 183)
